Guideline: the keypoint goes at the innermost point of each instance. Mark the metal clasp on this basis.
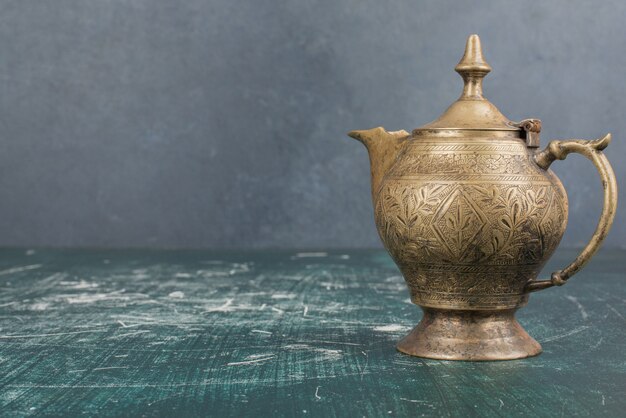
(531, 128)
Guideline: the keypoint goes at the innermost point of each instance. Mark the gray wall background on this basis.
(161, 123)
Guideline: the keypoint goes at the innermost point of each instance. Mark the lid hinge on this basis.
(532, 128)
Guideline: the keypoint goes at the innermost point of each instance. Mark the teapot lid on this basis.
(472, 111)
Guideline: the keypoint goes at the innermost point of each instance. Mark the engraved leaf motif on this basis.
(482, 190)
(541, 193)
(497, 240)
(541, 201)
(465, 222)
(516, 213)
(507, 222)
(401, 221)
(422, 193)
(510, 194)
(451, 221)
(429, 195)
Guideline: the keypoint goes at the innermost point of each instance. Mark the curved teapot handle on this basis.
(592, 150)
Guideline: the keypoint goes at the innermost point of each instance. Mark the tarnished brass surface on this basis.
(470, 212)
(469, 335)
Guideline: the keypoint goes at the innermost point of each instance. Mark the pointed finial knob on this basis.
(473, 60)
(473, 68)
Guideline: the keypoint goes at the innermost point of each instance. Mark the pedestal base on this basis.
(469, 335)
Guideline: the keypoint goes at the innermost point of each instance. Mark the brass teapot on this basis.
(470, 212)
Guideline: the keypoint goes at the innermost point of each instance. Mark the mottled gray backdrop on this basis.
(161, 123)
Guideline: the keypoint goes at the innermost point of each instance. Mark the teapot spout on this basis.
(383, 148)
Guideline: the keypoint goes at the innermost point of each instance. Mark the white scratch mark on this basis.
(258, 360)
(284, 296)
(177, 295)
(603, 399)
(183, 276)
(306, 310)
(261, 332)
(125, 325)
(84, 298)
(344, 256)
(280, 311)
(239, 268)
(4, 337)
(147, 320)
(411, 400)
(224, 308)
(317, 389)
(501, 403)
(130, 333)
(19, 269)
(332, 285)
(40, 306)
(366, 363)
(390, 328)
(567, 334)
(596, 345)
(255, 356)
(110, 368)
(79, 285)
(327, 354)
(332, 342)
(262, 307)
(30, 252)
(616, 312)
(297, 347)
(580, 307)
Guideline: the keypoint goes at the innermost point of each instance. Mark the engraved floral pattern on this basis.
(469, 223)
(405, 212)
(459, 163)
(449, 222)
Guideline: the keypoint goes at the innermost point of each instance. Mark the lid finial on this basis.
(471, 111)
(473, 68)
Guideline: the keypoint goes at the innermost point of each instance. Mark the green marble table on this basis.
(146, 333)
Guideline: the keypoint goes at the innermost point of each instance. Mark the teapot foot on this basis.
(469, 335)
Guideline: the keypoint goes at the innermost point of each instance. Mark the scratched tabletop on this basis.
(153, 333)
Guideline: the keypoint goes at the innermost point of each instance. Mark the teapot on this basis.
(469, 210)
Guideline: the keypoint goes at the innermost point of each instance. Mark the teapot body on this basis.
(470, 219)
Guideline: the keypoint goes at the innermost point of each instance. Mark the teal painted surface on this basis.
(283, 334)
